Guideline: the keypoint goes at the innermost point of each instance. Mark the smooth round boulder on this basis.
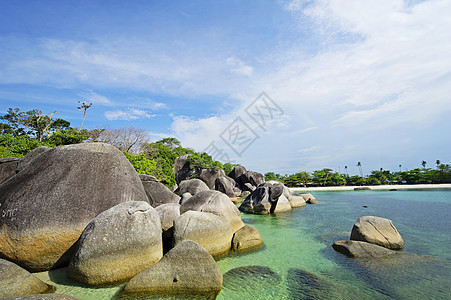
(309, 198)
(236, 173)
(210, 175)
(158, 194)
(297, 201)
(187, 270)
(224, 186)
(168, 213)
(50, 201)
(246, 237)
(358, 249)
(192, 186)
(118, 244)
(378, 231)
(253, 178)
(266, 198)
(210, 231)
(16, 281)
(214, 202)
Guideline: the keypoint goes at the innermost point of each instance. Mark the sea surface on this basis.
(298, 262)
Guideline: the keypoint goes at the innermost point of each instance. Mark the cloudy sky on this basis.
(344, 81)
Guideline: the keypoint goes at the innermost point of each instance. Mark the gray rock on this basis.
(361, 249)
(8, 167)
(118, 244)
(192, 186)
(182, 169)
(52, 199)
(246, 237)
(362, 188)
(209, 176)
(247, 187)
(217, 203)
(253, 178)
(32, 155)
(236, 173)
(265, 199)
(224, 186)
(210, 231)
(251, 280)
(309, 198)
(378, 231)
(185, 271)
(306, 285)
(158, 194)
(16, 281)
(297, 201)
(145, 177)
(185, 197)
(168, 213)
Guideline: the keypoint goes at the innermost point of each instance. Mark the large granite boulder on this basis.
(236, 173)
(378, 231)
(265, 199)
(8, 167)
(118, 244)
(294, 199)
(209, 176)
(210, 231)
(157, 193)
(309, 198)
(192, 186)
(246, 237)
(225, 186)
(254, 178)
(16, 281)
(361, 249)
(214, 202)
(49, 202)
(185, 271)
(168, 213)
(182, 169)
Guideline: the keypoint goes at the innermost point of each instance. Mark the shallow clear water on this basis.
(298, 262)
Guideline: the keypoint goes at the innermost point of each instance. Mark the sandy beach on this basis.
(375, 187)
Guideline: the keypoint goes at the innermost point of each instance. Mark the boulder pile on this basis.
(371, 237)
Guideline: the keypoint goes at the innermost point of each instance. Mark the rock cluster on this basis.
(371, 237)
(86, 207)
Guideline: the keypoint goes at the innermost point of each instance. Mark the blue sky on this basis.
(366, 81)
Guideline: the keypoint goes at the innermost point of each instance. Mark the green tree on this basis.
(141, 164)
(33, 123)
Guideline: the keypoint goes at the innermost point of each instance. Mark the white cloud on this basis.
(311, 149)
(237, 66)
(96, 98)
(129, 115)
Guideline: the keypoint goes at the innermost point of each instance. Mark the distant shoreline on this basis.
(372, 187)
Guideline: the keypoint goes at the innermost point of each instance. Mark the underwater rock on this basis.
(245, 238)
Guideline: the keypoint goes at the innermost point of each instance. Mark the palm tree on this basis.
(400, 168)
(437, 162)
(83, 105)
(360, 168)
(346, 170)
(423, 163)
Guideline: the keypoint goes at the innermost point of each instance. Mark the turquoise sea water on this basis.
(298, 262)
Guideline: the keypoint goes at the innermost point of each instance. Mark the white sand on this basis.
(373, 187)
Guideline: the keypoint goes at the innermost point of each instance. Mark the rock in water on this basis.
(379, 231)
(118, 244)
(192, 186)
(246, 237)
(251, 280)
(309, 198)
(48, 203)
(210, 231)
(357, 249)
(305, 285)
(157, 193)
(265, 199)
(186, 270)
(16, 281)
(216, 203)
